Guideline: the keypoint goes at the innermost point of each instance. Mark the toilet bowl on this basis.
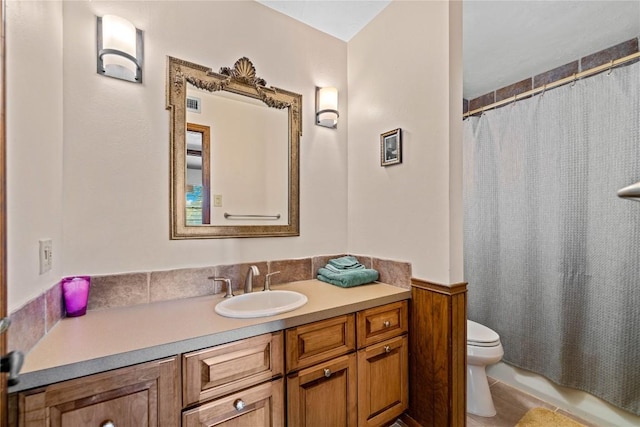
(483, 348)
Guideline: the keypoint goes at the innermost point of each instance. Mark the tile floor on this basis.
(511, 405)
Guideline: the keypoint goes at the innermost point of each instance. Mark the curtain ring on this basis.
(610, 68)
(544, 89)
(515, 98)
(574, 80)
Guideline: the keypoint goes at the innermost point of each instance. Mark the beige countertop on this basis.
(113, 338)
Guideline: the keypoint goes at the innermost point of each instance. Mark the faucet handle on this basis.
(267, 280)
(228, 288)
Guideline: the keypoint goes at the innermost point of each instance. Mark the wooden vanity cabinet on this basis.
(235, 384)
(346, 371)
(140, 395)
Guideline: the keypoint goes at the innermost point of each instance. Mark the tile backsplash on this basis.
(32, 321)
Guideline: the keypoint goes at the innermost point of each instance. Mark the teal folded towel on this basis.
(349, 278)
(345, 262)
(338, 270)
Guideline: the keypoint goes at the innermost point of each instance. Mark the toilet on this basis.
(483, 348)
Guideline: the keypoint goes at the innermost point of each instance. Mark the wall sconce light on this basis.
(119, 49)
(327, 107)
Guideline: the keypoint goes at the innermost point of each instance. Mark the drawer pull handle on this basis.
(387, 349)
(108, 423)
(238, 404)
(327, 372)
(386, 323)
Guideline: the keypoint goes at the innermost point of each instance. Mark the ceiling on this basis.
(503, 41)
(340, 18)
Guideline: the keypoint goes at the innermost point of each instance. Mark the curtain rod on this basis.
(595, 70)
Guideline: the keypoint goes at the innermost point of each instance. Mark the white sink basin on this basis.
(260, 304)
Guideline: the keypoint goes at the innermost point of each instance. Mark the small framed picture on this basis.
(391, 148)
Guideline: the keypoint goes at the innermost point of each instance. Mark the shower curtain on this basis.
(552, 255)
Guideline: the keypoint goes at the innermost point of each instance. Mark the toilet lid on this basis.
(481, 336)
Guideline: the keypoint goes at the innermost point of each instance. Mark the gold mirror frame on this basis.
(242, 80)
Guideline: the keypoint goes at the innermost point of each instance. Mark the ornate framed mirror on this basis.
(234, 153)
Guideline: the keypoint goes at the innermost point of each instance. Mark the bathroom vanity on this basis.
(343, 354)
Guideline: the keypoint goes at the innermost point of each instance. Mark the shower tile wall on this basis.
(514, 89)
(607, 55)
(604, 56)
(556, 74)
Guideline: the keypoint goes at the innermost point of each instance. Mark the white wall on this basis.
(34, 144)
(109, 204)
(405, 70)
(112, 196)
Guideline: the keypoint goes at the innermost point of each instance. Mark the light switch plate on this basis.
(46, 255)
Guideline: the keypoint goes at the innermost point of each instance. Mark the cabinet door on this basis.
(324, 395)
(259, 406)
(383, 389)
(141, 395)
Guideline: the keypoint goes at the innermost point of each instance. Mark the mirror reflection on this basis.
(197, 191)
(234, 153)
(248, 174)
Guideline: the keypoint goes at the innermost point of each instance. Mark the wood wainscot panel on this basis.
(437, 355)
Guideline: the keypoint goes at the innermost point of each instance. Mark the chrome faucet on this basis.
(248, 280)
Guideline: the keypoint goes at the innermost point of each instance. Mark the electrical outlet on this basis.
(217, 200)
(46, 255)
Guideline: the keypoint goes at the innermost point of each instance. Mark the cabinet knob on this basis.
(327, 372)
(387, 349)
(108, 423)
(238, 404)
(386, 323)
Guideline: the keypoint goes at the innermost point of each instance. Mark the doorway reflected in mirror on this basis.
(198, 186)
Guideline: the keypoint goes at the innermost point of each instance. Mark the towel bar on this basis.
(237, 216)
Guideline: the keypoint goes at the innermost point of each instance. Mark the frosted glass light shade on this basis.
(119, 49)
(327, 107)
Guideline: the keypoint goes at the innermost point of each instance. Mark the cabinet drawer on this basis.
(319, 341)
(259, 406)
(132, 409)
(227, 368)
(381, 323)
